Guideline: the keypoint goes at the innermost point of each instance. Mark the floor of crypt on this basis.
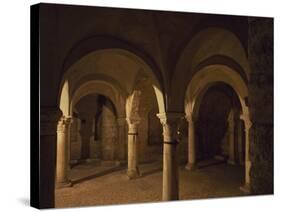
(98, 183)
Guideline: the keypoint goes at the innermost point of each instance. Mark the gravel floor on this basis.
(103, 184)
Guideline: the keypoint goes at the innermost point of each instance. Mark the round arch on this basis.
(99, 78)
(104, 42)
(64, 99)
(212, 45)
(206, 77)
(142, 65)
(102, 88)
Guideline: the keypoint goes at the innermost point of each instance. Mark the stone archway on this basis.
(67, 101)
(109, 91)
(92, 73)
(103, 88)
(99, 141)
(109, 66)
(199, 84)
(211, 74)
(130, 64)
(206, 48)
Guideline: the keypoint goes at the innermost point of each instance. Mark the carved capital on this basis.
(64, 124)
(132, 129)
(48, 120)
(170, 122)
(189, 118)
(133, 121)
(248, 125)
(247, 121)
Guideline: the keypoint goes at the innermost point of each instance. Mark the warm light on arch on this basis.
(212, 74)
(102, 88)
(131, 56)
(64, 99)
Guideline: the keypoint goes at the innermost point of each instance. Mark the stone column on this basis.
(47, 154)
(68, 148)
(191, 144)
(63, 147)
(170, 165)
(248, 124)
(231, 141)
(133, 169)
(240, 142)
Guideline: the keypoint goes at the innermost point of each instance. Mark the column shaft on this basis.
(248, 124)
(133, 170)
(63, 153)
(170, 164)
(191, 145)
(170, 172)
(240, 142)
(247, 157)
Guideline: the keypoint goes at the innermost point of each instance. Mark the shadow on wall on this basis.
(212, 126)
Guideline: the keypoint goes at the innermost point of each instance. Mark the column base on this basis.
(170, 198)
(133, 174)
(64, 184)
(191, 166)
(245, 188)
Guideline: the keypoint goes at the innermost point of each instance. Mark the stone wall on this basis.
(212, 124)
(75, 139)
(260, 53)
(103, 140)
(108, 132)
(95, 135)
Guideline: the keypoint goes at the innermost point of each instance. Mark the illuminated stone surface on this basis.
(140, 64)
(108, 185)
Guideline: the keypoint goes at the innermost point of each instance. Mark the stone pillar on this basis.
(121, 154)
(231, 141)
(47, 154)
(63, 150)
(191, 144)
(70, 120)
(248, 124)
(133, 169)
(170, 165)
(240, 142)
